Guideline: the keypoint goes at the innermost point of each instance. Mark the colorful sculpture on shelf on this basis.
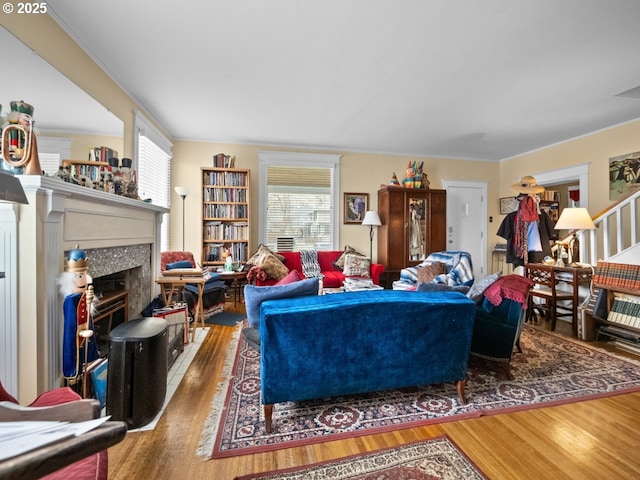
(414, 177)
(78, 343)
(19, 145)
(394, 180)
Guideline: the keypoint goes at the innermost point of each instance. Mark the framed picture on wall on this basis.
(355, 206)
(508, 205)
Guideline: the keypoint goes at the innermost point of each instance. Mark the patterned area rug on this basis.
(437, 458)
(552, 370)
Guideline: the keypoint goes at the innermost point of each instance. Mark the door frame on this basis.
(483, 186)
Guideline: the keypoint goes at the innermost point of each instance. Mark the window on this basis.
(299, 201)
(153, 168)
(51, 152)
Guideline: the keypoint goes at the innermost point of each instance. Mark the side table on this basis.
(235, 280)
(172, 283)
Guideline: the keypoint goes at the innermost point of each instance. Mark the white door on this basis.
(466, 221)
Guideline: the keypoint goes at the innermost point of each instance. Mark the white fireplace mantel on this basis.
(59, 216)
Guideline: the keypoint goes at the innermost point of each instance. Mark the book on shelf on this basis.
(102, 154)
(221, 160)
(625, 310)
(617, 275)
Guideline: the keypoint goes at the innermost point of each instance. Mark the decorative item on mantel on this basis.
(414, 177)
(111, 176)
(19, 145)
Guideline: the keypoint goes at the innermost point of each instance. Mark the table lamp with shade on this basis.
(371, 219)
(574, 219)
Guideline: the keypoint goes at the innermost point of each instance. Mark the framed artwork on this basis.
(508, 205)
(355, 206)
(624, 175)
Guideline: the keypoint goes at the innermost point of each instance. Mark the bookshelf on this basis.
(549, 201)
(618, 314)
(86, 168)
(225, 215)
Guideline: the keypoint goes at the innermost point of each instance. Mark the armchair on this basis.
(499, 320)
(459, 270)
(214, 290)
(61, 404)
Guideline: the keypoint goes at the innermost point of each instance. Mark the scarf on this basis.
(527, 213)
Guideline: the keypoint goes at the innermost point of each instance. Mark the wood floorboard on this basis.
(597, 439)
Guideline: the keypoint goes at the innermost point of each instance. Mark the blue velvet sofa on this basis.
(349, 343)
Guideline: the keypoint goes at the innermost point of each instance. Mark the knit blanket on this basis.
(514, 287)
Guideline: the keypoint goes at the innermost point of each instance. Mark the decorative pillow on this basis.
(476, 291)
(356, 266)
(292, 276)
(427, 273)
(262, 250)
(271, 264)
(339, 263)
(254, 296)
(180, 264)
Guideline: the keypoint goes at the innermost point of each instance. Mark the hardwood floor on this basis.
(597, 439)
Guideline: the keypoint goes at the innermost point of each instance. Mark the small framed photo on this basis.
(508, 205)
(355, 206)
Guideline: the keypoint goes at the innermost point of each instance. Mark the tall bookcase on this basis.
(225, 215)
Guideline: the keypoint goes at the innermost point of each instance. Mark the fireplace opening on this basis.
(112, 308)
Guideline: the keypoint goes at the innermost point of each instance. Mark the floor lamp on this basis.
(183, 192)
(371, 219)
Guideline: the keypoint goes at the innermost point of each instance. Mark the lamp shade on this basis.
(182, 191)
(371, 218)
(575, 218)
(11, 189)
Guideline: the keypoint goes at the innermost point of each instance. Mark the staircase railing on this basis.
(616, 230)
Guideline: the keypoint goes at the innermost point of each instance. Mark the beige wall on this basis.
(359, 172)
(595, 150)
(81, 143)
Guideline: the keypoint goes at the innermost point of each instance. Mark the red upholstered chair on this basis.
(95, 467)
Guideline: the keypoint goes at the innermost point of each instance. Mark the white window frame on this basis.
(295, 159)
(60, 146)
(144, 127)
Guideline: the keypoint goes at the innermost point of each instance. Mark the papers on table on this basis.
(353, 284)
(20, 437)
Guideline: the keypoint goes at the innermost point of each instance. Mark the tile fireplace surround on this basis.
(118, 233)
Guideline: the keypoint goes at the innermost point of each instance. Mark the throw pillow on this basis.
(272, 265)
(180, 264)
(476, 291)
(292, 276)
(427, 273)
(339, 263)
(356, 266)
(263, 250)
(255, 295)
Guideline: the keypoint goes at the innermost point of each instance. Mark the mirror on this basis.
(417, 227)
(61, 108)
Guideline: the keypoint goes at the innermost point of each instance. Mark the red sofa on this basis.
(333, 277)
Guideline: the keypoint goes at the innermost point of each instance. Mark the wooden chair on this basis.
(545, 288)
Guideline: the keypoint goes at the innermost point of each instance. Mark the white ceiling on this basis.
(477, 79)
